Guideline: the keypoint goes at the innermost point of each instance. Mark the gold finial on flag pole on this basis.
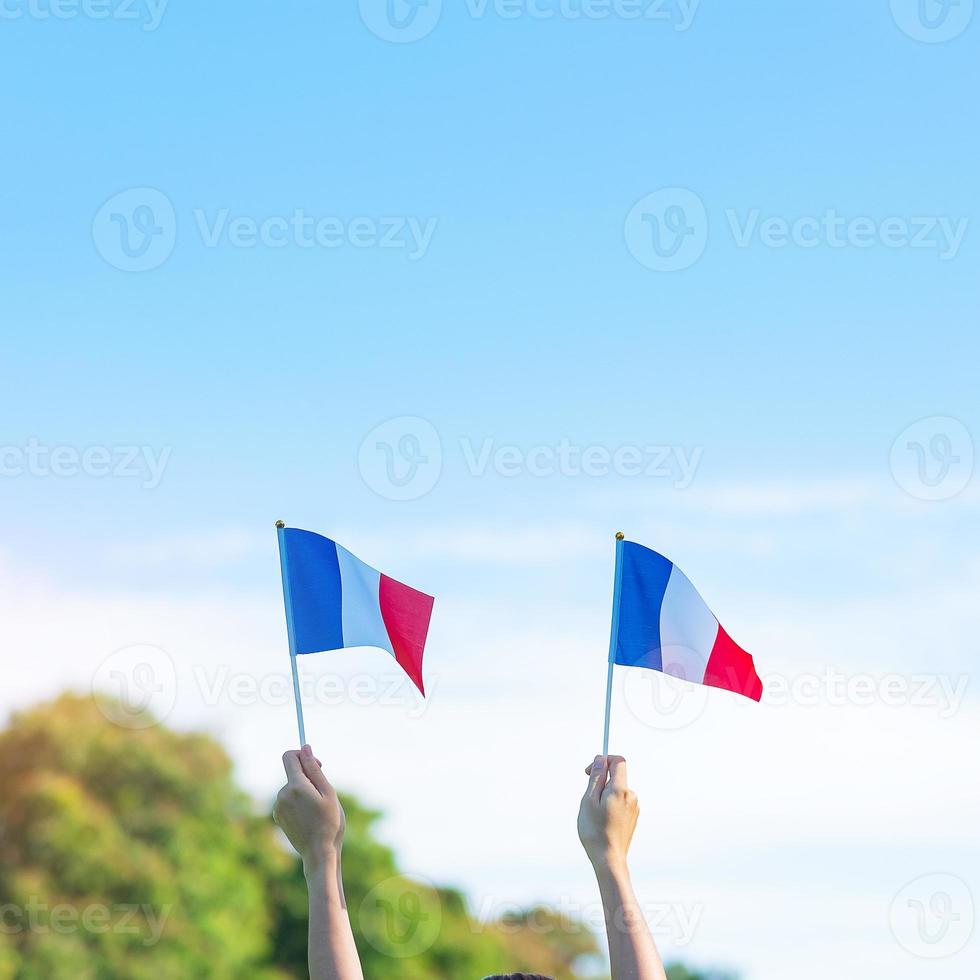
(620, 536)
(280, 524)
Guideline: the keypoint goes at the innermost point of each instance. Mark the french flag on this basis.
(335, 600)
(665, 625)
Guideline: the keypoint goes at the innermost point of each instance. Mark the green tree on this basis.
(542, 940)
(128, 854)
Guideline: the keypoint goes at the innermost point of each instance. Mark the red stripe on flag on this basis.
(406, 615)
(731, 668)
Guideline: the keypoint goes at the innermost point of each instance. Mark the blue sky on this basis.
(488, 286)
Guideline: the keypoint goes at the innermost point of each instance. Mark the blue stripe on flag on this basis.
(315, 591)
(645, 577)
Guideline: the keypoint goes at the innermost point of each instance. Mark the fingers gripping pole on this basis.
(613, 636)
(287, 599)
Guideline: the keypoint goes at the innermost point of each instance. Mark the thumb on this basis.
(314, 773)
(617, 773)
(597, 777)
(292, 763)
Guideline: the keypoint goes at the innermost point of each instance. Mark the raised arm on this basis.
(606, 821)
(308, 811)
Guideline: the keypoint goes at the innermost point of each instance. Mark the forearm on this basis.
(333, 955)
(632, 952)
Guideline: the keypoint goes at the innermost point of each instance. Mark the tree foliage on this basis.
(146, 825)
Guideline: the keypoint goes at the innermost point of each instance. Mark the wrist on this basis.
(321, 860)
(611, 868)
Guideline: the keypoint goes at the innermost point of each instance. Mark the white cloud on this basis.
(202, 548)
(502, 545)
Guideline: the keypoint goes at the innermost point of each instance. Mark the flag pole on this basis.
(287, 599)
(613, 636)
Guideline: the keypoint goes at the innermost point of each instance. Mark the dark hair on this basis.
(517, 976)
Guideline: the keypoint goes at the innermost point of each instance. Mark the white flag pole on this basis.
(613, 636)
(287, 599)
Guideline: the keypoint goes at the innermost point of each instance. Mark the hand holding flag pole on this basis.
(613, 636)
(290, 631)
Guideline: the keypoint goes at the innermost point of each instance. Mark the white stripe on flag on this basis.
(687, 629)
(360, 607)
